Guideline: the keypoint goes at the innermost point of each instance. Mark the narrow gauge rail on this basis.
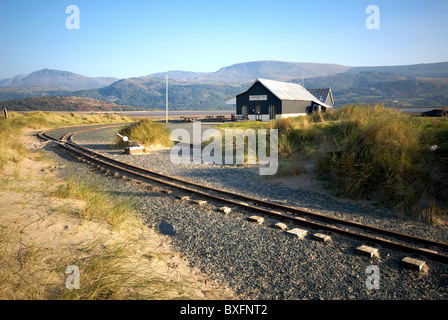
(423, 247)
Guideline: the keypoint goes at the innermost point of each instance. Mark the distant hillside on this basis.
(57, 78)
(427, 70)
(62, 104)
(428, 93)
(394, 90)
(31, 92)
(250, 71)
(343, 81)
(275, 70)
(412, 85)
(149, 92)
(179, 75)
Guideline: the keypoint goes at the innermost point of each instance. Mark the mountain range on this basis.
(405, 86)
(56, 79)
(249, 71)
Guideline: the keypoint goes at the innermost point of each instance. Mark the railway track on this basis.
(431, 249)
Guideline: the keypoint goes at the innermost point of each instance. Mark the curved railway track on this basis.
(431, 249)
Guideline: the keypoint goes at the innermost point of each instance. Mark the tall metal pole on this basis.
(166, 98)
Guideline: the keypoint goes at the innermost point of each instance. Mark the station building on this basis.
(266, 100)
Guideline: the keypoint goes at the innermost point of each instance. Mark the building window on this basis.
(271, 112)
(244, 112)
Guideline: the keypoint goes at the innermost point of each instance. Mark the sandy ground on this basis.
(42, 235)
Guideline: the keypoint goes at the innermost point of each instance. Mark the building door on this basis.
(244, 112)
(258, 112)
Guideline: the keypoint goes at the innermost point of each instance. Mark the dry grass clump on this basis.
(98, 204)
(373, 152)
(10, 129)
(41, 120)
(48, 224)
(145, 133)
(74, 222)
(386, 154)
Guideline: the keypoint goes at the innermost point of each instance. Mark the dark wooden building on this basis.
(266, 100)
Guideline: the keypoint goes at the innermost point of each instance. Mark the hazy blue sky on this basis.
(135, 38)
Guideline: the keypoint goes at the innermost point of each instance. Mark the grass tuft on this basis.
(11, 128)
(146, 133)
(98, 204)
(372, 152)
(109, 259)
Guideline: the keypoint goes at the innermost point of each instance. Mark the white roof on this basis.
(285, 91)
(231, 100)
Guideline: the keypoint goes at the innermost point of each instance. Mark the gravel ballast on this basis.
(256, 260)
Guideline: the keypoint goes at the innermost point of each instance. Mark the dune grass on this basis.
(98, 204)
(389, 154)
(146, 133)
(373, 152)
(117, 264)
(126, 261)
(244, 125)
(11, 128)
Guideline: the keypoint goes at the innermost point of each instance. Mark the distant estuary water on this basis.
(176, 114)
(227, 113)
(416, 110)
(201, 114)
